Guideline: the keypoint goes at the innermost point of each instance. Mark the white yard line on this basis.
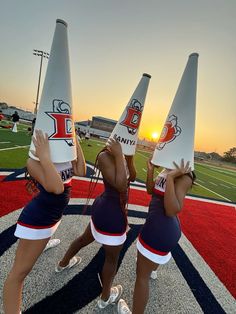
(198, 180)
(96, 141)
(215, 178)
(214, 192)
(224, 171)
(217, 167)
(144, 170)
(14, 147)
(213, 183)
(226, 186)
(142, 155)
(146, 158)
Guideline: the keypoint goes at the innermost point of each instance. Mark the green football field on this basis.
(215, 182)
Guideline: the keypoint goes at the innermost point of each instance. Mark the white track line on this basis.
(207, 200)
(218, 289)
(6, 173)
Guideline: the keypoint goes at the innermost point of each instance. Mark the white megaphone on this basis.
(177, 137)
(14, 128)
(55, 114)
(126, 129)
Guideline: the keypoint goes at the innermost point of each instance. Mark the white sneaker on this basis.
(52, 243)
(76, 260)
(153, 274)
(115, 295)
(122, 307)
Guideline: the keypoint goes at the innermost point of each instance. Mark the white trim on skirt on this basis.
(112, 240)
(156, 258)
(23, 232)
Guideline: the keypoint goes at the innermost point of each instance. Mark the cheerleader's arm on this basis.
(44, 171)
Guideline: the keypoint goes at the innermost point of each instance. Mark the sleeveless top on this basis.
(66, 172)
(160, 231)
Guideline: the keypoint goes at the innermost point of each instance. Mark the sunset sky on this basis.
(113, 42)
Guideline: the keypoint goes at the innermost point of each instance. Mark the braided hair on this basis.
(31, 183)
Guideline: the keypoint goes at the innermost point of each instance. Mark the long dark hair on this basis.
(31, 183)
(93, 180)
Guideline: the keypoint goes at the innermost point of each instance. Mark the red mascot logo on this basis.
(169, 133)
(63, 123)
(133, 116)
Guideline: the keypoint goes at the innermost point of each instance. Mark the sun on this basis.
(155, 135)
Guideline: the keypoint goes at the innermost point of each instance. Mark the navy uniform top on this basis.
(108, 210)
(160, 232)
(46, 208)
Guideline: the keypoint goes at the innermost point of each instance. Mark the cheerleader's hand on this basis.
(180, 170)
(41, 144)
(114, 147)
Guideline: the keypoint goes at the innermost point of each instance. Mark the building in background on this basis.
(97, 127)
(102, 127)
(8, 111)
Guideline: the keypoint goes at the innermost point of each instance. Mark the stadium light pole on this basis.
(42, 55)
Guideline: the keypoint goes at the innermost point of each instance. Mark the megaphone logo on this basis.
(133, 116)
(169, 133)
(63, 123)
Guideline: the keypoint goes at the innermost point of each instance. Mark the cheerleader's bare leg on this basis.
(85, 239)
(141, 289)
(27, 253)
(109, 268)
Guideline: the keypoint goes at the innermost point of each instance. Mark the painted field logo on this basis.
(133, 116)
(169, 133)
(63, 123)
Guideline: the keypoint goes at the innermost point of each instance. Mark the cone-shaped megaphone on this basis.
(177, 137)
(55, 115)
(14, 128)
(126, 129)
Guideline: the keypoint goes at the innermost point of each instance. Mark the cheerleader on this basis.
(108, 224)
(161, 231)
(41, 216)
